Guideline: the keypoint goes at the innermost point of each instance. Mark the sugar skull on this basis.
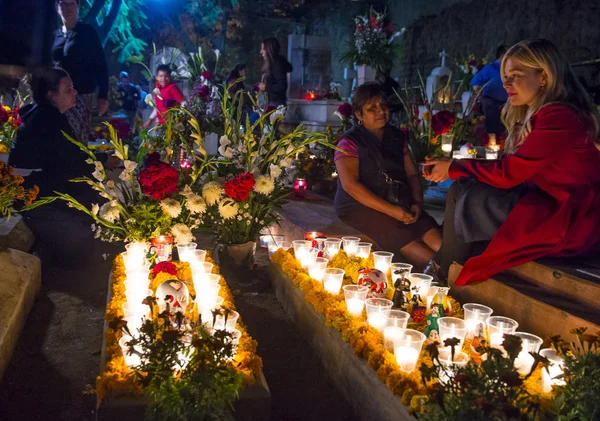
(375, 280)
(172, 296)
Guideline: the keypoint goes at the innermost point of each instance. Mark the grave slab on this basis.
(14, 233)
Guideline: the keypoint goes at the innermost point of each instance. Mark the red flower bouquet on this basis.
(159, 180)
(345, 110)
(240, 186)
(168, 267)
(441, 122)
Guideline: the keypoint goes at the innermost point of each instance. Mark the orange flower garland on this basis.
(117, 379)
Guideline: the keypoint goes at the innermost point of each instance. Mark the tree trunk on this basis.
(108, 22)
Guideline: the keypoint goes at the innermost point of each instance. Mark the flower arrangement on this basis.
(372, 42)
(9, 123)
(335, 91)
(118, 379)
(468, 67)
(12, 191)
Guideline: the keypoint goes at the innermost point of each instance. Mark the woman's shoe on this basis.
(439, 280)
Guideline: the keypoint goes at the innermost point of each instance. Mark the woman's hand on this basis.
(416, 211)
(403, 216)
(102, 107)
(436, 170)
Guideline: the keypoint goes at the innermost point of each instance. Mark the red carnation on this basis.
(203, 91)
(240, 186)
(442, 122)
(159, 180)
(207, 75)
(4, 115)
(168, 267)
(345, 110)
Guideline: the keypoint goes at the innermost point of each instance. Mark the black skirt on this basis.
(389, 233)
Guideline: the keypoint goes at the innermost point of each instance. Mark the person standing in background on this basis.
(167, 96)
(494, 95)
(274, 72)
(130, 98)
(78, 50)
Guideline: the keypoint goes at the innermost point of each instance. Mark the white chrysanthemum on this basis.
(275, 171)
(264, 185)
(95, 209)
(228, 209)
(182, 233)
(196, 204)
(171, 207)
(212, 192)
(109, 211)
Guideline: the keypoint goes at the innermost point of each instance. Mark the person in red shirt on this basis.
(168, 95)
(552, 157)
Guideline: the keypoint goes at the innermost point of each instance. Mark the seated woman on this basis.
(376, 153)
(550, 172)
(169, 95)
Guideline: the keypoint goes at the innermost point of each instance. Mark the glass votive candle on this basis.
(317, 269)
(382, 260)
(266, 240)
(475, 317)
(491, 153)
(551, 376)
(420, 283)
(185, 251)
(529, 343)
(350, 245)
(355, 296)
(363, 250)
(452, 327)
(136, 310)
(449, 364)
(273, 247)
(377, 312)
(332, 246)
(497, 327)
(333, 279)
(399, 271)
(136, 296)
(227, 321)
(408, 349)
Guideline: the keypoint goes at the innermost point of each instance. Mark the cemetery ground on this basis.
(52, 373)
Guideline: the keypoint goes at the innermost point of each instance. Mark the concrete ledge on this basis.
(253, 404)
(354, 379)
(20, 281)
(538, 310)
(15, 234)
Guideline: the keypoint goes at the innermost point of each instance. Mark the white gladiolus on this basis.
(98, 165)
(98, 175)
(212, 192)
(171, 207)
(264, 185)
(279, 113)
(286, 163)
(130, 166)
(275, 171)
(218, 53)
(95, 209)
(228, 209)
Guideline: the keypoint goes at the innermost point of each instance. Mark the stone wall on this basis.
(479, 26)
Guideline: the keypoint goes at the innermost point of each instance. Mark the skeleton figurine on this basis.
(419, 310)
(401, 292)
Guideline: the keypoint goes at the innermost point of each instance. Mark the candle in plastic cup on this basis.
(309, 258)
(363, 250)
(207, 293)
(136, 310)
(451, 365)
(266, 240)
(377, 312)
(382, 260)
(399, 270)
(397, 318)
(408, 349)
(550, 375)
(229, 325)
(139, 276)
(350, 245)
(185, 251)
(317, 269)
(452, 327)
(456, 155)
(529, 343)
(332, 247)
(333, 279)
(497, 327)
(301, 245)
(391, 335)
(201, 271)
(355, 296)
(136, 251)
(273, 247)
(420, 283)
(475, 317)
(137, 296)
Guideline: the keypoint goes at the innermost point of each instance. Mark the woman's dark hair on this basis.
(365, 93)
(45, 81)
(164, 68)
(58, 1)
(272, 48)
(235, 72)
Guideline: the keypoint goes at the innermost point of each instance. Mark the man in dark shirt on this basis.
(130, 98)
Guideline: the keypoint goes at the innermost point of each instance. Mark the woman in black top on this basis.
(78, 50)
(274, 72)
(371, 150)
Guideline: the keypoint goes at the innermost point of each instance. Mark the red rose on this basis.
(203, 91)
(168, 267)
(207, 75)
(159, 180)
(345, 110)
(4, 115)
(442, 122)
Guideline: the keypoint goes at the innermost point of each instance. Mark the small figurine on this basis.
(419, 310)
(172, 296)
(375, 280)
(441, 297)
(432, 322)
(478, 340)
(401, 293)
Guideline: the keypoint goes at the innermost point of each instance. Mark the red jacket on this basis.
(560, 214)
(171, 97)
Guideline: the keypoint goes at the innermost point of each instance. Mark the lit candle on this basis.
(316, 273)
(332, 286)
(524, 362)
(355, 306)
(407, 357)
(496, 339)
(378, 320)
(391, 334)
(447, 148)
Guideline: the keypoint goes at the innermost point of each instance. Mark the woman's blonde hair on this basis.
(561, 87)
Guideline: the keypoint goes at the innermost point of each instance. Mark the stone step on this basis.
(541, 311)
(14, 233)
(20, 281)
